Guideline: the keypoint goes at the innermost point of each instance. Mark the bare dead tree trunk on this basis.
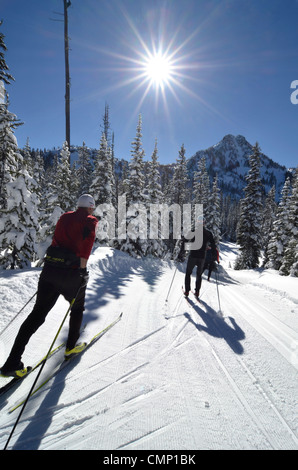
(67, 77)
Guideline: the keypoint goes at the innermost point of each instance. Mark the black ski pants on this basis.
(191, 264)
(210, 266)
(52, 283)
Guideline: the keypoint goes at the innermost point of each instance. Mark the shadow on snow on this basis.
(217, 327)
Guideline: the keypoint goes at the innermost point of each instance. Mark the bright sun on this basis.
(156, 66)
(158, 69)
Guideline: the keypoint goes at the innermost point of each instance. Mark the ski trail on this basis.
(258, 415)
(171, 375)
(274, 331)
(231, 382)
(283, 338)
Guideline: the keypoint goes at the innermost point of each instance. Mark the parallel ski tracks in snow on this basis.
(283, 338)
(172, 375)
(258, 415)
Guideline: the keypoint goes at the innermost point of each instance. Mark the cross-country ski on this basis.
(12, 382)
(66, 361)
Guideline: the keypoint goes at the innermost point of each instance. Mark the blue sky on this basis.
(231, 64)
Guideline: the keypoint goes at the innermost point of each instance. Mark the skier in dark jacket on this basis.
(196, 258)
(65, 273)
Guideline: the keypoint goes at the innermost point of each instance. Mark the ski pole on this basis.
(171, 283)
(20, 311)
(217, 291)
(24, 306)
(40, 370)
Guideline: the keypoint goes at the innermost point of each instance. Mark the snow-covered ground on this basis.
(171, 375)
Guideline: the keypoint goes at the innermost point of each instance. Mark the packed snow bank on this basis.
(171, 375)
(269, 279)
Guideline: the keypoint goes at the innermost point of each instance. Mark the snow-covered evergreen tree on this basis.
(180, 192)
(290, 258)
(63, 181)
(5, 76)
(213, 214)
(154, 187)
(84, 170)
(58, 197)
(8, 148)
(201, 185)
(38, 169)
(110, 142)
(136, 178)
(27, 158)
(136, 242)
(123, 183)
(270, 208)
(51, 211)
(249, 236)
(102, 183)
(106, 125)
(156, 246)
(278, 237)
(166, 185)
(19, 223)
(230, 212)
(19, 208)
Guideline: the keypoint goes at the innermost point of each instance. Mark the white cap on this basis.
(86, 201)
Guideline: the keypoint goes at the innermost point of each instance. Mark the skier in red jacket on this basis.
(65, 273)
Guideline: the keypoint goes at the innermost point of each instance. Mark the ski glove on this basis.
(84, 275)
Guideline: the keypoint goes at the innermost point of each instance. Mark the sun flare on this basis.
(158, 69)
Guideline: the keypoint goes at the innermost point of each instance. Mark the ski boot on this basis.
(17, 373)
(69, 353)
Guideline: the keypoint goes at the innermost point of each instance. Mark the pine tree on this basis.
(278, 237)
(28, 162)
(39, 172)
(110, 140)
(290, 259)
(84, 169)
(180, 192)
(102, 183)
(74, 185)
(51, 211)
(4, 70)
(270, 208)
(213, 214)
(156, 246)
(136, 178)
(19, 223)
(8, 147)
(230, 210)
(136, 242)
(123, 184)
(106, 125)
(201, 187)
(249, 229)
(63, 180)
(154, 186)
(19, 207)
(166, 185)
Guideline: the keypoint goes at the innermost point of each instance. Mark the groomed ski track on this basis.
(172, 375)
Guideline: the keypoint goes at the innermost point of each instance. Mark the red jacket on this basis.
(76, 232)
